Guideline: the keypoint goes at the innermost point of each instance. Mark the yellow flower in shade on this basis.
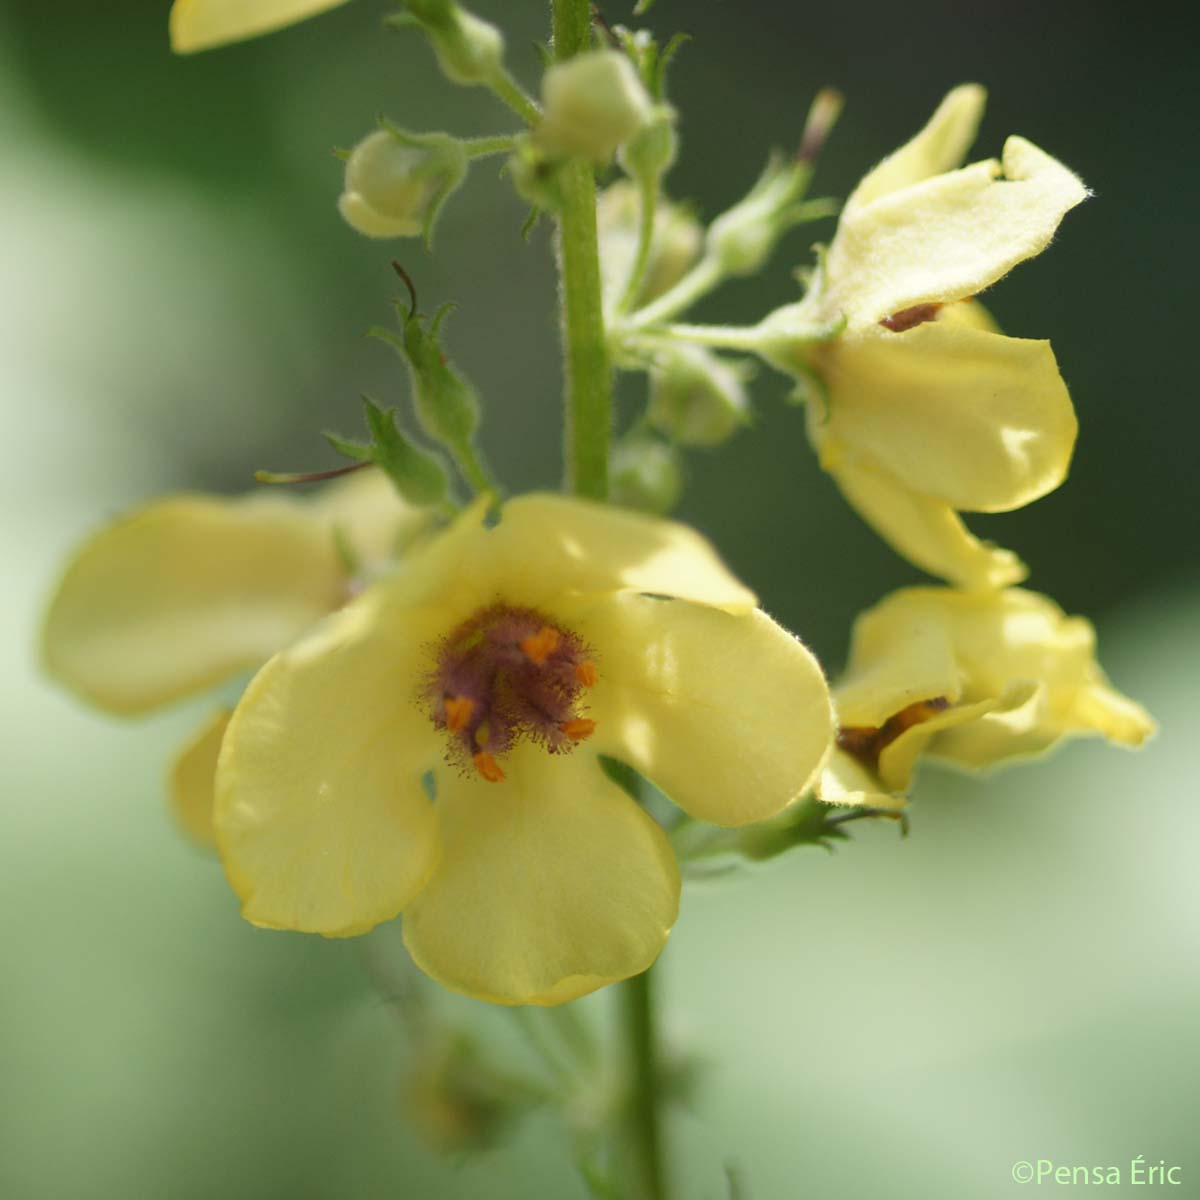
(930, 411)
(969, 678)
(192, 589)
(497, 668)
(202, 24)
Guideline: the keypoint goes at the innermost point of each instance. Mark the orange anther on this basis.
(585, 672)
(579, 729)
(459, 710)
(539, 646)
(488, 767)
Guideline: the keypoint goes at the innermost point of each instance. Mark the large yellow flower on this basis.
(969, 678)
(201, 24)
(192, 589)
(932, 412)
(504, 661)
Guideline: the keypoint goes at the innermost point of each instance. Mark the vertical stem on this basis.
(588, 377)
(644, 1110)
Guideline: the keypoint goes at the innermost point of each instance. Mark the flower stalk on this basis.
(585, 353)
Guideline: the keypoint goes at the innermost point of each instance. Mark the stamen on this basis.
(539, 646)
(459, 711)
(579, 729)
(585, 672)
(488, 767)
(910, 318)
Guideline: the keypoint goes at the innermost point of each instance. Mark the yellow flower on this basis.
(931, 411)
(969, 678)
(201, 24)
(504, 662)
(192, 589)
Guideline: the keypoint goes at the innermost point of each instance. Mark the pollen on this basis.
(459, 710)
(488, 767)
(505, 675)
(579, 729)
(539, 646)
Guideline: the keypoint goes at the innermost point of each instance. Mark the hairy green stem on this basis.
(647, 207)
(698, 282)
(506, 89)
(588, 375)
(480, 147)
(645, 1109)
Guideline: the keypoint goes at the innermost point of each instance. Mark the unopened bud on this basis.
(696, 397)
(592, 104)
(673, 249)
(397, 182)
(742, 239)
(650, 153)
(469, 50)
(645, 475)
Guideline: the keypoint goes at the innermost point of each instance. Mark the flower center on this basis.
(504, 674)
(866, 743)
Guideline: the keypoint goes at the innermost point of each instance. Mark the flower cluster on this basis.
(435, 712)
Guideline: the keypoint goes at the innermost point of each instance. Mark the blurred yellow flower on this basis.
(504, 661)
(201, 24)
(969, 678)
(931, 411)
(192, 589)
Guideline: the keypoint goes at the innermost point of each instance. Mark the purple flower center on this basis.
(504, 674)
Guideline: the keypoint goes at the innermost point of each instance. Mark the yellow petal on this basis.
(555, 545)
(729, 715)
(948, 237)
(192, 780)
(201, 24)
(321, 819)
(927, 532)
(898, 759)
(367, 511)
(1029, 669)
(980, 421)
(940, 146)
(551, 884)
(185, 592)
(844, 780)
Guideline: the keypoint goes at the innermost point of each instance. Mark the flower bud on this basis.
(469, 50)
(697, 398)
(742, 239)
(650, 153)
(674, 248)
(591, 105)
(396, 182)
(645, 475)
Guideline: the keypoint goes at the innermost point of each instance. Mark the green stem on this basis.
(698, 282)
(473, 471)
(588, 377)
(648, 190)
(645, 1107)
(506, 89)
(724, 337)
(480, 147)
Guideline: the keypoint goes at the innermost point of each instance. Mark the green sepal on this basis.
(418, 475)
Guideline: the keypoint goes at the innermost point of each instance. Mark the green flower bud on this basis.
(650, 153)
(644, 474)
(742, 239)
(397, 182)
(696, 397)
(674, 248)
(469, 50)
(592, 104)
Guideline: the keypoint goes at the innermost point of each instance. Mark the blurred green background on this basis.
(1017, 980)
